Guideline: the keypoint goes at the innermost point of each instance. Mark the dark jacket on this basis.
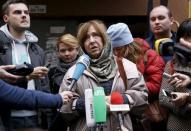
(56, 74)
(36, 55)
(37, 59)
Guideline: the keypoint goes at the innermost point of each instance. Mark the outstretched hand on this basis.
(179, 80)
(66, 96)
(39, 73)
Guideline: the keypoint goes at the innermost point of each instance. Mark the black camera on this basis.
(164, 46)
(22, 70)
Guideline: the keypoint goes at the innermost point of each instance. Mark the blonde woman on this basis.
(68, 52)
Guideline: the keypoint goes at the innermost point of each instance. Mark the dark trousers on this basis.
(16, 123)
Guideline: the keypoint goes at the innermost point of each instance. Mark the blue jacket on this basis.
(20, 98)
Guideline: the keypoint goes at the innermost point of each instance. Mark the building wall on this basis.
(64, 8)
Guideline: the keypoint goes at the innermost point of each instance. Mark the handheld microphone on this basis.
(90, 121)
(99, 105)
(81, 65)
(117, 105)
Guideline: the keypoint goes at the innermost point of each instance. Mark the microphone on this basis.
(81, 65)
(90, 121)
(117, 105)
(99, 106)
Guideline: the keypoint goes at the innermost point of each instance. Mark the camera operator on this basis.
(179, 67)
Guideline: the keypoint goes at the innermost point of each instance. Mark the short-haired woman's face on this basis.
(93, 43)
(67, 53)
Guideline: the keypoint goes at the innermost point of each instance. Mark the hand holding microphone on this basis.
(66, 96)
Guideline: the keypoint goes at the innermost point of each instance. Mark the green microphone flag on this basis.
(99, 105)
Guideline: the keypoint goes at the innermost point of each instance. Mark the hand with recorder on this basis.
(38, 73)
(22, 69)
(181, 98)
(6, 76)
(20, 98)
(178, 80)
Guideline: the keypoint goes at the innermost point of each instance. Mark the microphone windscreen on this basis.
(81, 65)
(90, 120)
(99, 105)
(116, 98)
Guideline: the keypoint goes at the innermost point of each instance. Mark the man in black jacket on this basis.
(21, 46)
(161, 21)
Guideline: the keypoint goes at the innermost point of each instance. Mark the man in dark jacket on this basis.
(21, 46)
(161, 20)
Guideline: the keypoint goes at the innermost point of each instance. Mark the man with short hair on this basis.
(160, 20)
(21, 46)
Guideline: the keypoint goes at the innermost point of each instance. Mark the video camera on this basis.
(22, 69)
(164, 46)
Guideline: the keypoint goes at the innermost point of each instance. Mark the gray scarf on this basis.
(104, 68)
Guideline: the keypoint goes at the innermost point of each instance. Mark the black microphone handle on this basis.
(120, 119)
(72, 84)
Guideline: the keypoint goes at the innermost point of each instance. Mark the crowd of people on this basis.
(132, 67)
